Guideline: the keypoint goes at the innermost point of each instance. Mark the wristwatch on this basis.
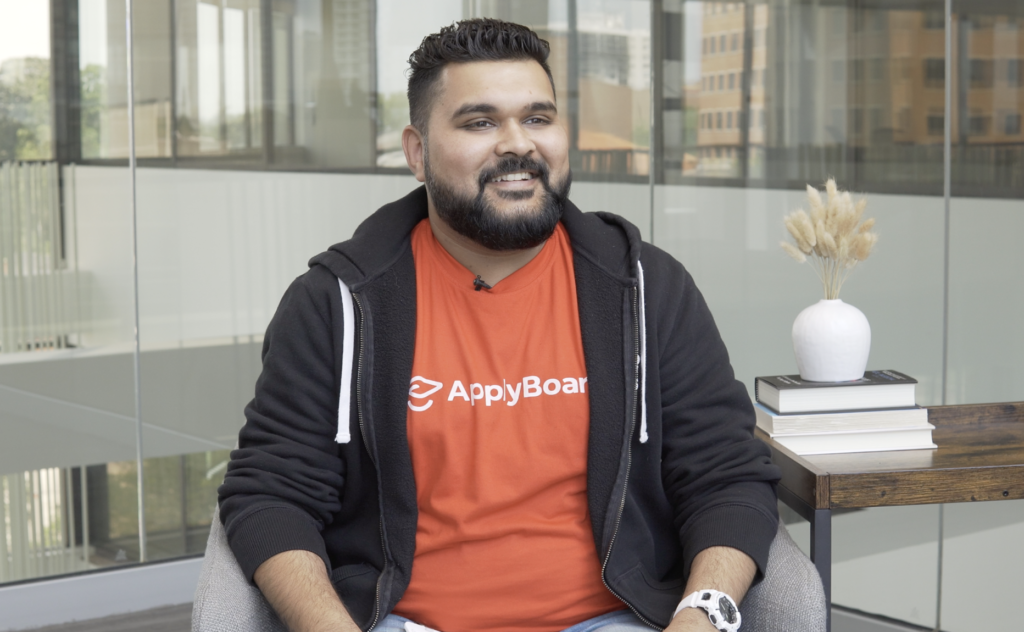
(720, 607)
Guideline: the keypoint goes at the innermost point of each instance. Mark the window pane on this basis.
(103, 84)
(25, 118)
(988, 45)
(151, 24)
(600, 62)
(218, 79)
(845, 91)
(323, 95)
(614, 43)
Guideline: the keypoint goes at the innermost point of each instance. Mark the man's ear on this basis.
(413, 146)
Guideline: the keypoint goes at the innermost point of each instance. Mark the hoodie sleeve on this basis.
(282, 483)
(718, 477)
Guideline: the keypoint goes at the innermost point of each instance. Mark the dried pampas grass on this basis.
(832, 235)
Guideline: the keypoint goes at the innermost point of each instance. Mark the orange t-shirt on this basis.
(498, 426)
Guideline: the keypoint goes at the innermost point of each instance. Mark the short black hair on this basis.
(479, 39)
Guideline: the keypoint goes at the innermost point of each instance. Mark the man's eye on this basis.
(537, 120)
(479, 124)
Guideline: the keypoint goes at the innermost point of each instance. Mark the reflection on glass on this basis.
(600, 62)
(323, 78)
(988, 73)
(318, 84)
(401, 26)
(218, 79)
(766, 92)
(613, 48)
(727, 76)
(785, 94)
(65, 520)
(181, 492)
(103, 81)
(288, 87)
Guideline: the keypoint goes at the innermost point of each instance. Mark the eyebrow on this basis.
(487, 108)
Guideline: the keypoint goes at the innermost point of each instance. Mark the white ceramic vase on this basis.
(831, 340)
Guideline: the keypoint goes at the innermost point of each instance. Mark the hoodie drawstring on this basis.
(642, 359)
(347, 356)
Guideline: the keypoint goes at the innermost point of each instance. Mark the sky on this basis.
(24, 29)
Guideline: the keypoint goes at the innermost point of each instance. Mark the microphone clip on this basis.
(480, 284)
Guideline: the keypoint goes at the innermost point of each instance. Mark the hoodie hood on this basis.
(378, 242)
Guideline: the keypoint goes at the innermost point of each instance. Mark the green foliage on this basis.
(91, 99)
(11, 129)
(25, 117)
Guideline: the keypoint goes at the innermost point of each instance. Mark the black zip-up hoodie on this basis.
(672, 467)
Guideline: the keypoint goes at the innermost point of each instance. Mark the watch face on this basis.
(727, 609)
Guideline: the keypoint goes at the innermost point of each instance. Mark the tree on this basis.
(25, 115)
(10, 127)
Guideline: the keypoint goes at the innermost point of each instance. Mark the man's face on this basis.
(495, 159)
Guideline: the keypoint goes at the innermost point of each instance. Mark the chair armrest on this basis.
(790, 596)
(225, 601)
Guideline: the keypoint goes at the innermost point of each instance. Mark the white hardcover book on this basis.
(803, 423)
(913, 438)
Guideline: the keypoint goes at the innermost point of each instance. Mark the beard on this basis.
(476, 218)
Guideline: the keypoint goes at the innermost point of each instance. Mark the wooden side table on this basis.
(980, 457)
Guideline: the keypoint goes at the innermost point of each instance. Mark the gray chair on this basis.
(789, 599)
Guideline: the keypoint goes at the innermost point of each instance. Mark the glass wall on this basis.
(266, 130)
(985, 343)
(68, 500)
(777, 93)
(758, 100)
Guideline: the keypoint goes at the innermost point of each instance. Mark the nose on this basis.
(515, 140)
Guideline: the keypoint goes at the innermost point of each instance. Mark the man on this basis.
(490, 411)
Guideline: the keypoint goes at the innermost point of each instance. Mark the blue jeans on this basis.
(621, 621)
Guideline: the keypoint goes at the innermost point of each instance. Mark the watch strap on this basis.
(711, 601)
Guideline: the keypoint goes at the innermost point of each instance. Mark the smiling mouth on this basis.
(514, 177)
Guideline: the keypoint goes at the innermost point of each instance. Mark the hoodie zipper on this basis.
(629, 463)
(362, 431)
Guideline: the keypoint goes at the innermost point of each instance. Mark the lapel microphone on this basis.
(480, 284)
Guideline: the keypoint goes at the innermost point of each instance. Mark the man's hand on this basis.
(720, 568)
(297, 586)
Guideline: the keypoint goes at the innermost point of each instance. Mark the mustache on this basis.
(512, 164)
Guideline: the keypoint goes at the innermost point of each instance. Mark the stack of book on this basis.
(872, 414)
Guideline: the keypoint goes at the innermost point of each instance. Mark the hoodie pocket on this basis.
(356, 584)
(670, 585)
(653, 599)
(350, 572)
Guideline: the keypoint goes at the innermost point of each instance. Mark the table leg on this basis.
(821, 555)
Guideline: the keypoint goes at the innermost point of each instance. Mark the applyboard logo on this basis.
(415, 391)
(510, 393)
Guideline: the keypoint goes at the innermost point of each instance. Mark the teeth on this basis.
(511, 177)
